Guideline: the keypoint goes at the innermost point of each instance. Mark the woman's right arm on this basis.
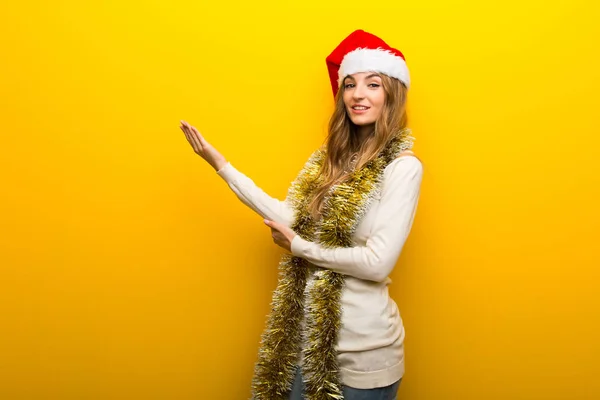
(255, 198)
(245, 189)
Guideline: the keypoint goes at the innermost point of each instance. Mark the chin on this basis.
(362, 122)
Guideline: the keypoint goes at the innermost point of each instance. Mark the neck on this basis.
(364, 131)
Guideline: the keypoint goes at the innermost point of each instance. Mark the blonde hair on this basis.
(342, 140)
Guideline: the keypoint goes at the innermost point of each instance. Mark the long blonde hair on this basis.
(342, 140)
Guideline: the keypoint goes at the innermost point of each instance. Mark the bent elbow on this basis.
(380, 274)
(379, 268)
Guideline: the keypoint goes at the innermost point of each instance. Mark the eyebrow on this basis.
(370, 76)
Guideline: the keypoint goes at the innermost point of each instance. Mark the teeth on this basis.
(360, 108)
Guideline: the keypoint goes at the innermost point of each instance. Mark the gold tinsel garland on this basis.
(313, 292)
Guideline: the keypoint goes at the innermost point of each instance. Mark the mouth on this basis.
(360, 109)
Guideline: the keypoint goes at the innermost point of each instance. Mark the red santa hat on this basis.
(361, 52)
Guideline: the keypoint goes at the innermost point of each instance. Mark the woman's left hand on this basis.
(282, 235)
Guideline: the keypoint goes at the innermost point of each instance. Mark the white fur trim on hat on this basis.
(378, 60)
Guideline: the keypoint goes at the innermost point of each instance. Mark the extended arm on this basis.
(397, 208)
(255, 198)
(243, 187)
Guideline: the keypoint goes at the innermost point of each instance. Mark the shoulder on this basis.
(406, 160)
(406, 166)
(407, 153)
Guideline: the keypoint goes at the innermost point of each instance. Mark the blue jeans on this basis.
(383, 393)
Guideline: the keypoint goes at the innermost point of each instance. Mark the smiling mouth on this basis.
(360, 108)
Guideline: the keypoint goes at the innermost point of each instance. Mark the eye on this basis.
(376, 85)
(348, 85)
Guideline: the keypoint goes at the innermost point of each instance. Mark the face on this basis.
(364, 97)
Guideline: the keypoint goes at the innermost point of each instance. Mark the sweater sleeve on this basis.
(392, 224)
(255, 198)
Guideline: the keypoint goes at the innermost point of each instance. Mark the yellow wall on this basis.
(130, 271)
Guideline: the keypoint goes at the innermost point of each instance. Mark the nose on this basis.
(358, 92)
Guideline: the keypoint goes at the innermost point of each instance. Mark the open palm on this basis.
(201, 146)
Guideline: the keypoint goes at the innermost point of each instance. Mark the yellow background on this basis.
(129, 270)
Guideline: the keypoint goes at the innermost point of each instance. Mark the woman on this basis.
(334, 332)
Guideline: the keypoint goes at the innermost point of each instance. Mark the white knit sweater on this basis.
(371, 339)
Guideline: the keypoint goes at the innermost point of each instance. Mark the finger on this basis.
(194, 137)
(275, 225)
(199, 136)
(186, 126)
(271, 224)
(187, 135)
